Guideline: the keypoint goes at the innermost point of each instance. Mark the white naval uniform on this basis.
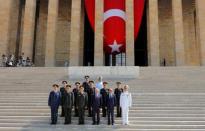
(125, 103)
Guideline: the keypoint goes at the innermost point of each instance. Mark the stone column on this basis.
(178, 32)
(51, 33)
(130, 40)
(153, 33)
(28, 28)
(200, 12)
(98, 49)
(75, 38)
(5, 12)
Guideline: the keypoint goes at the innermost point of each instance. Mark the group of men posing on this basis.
(91, 97)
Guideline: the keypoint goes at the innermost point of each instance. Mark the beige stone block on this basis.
(51, 33)
(28, 28)
(74, 49)
(153, 33)
(178, 32)
(98, 48)
(130, 45)
(200, 11)
(5, 12)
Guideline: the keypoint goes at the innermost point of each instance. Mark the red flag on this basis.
(114, 22)
(114, 26)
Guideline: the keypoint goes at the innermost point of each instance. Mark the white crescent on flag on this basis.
(114, 12)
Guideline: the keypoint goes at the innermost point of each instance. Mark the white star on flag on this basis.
(115, 46)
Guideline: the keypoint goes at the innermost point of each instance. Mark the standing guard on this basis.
(54, 103)
(68, 104)
(82, 100)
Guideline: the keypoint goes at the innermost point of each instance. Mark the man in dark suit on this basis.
(82, 100)
(62, 90)
(75, 92)
(96, 104)
(110, 103)
(118, 92)
(68, 104)
(54, 101)
(104, 92)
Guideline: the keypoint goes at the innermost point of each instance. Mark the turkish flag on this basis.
(114, 26)
(114, 22)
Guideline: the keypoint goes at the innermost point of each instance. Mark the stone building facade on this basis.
(52, 32)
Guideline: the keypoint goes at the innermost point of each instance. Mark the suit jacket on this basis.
(110, 102)
(62, 91)
(54, 99)
(104, 93)
(96, 101)
(75, 92)
(68, 100)
(118, 94)
(82, 100)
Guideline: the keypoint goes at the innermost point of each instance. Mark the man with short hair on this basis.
(117, 93)
(68, 104)
(82, 100)
(75, 92)
(96, 105)
(54, 102)
(104, 92)
(62, 90)
(110, 104)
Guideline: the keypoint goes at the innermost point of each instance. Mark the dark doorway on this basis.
(141, 57)
(88, 59)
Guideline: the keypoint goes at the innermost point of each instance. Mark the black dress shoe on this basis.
(93, 124)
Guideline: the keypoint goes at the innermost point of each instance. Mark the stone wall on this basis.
(192, 51)
(166, 32)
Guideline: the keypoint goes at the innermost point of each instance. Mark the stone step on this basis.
(89, 126)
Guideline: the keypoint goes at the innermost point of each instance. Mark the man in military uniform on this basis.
(90, 93)
(104, 93)
(96, 105)
(86, 84)
(118, 92)
(75, 92)
(82, 100)
(62, 90)
(88, 90)
(68, 104)
(54, 103)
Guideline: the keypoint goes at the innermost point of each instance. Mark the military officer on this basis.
(82, 100)
(104, 92)
(75, 92)
(125, 104)
(54, 103)
(68, 104)
(118, 92)
(62, 90)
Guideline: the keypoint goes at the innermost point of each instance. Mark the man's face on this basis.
(91, 84)
(81, 90)
(68, 89)
(64, 83)
(118, 85)
(110, 91)
(105, 85)
(86, 79)
(55, 88)
(77, 85)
